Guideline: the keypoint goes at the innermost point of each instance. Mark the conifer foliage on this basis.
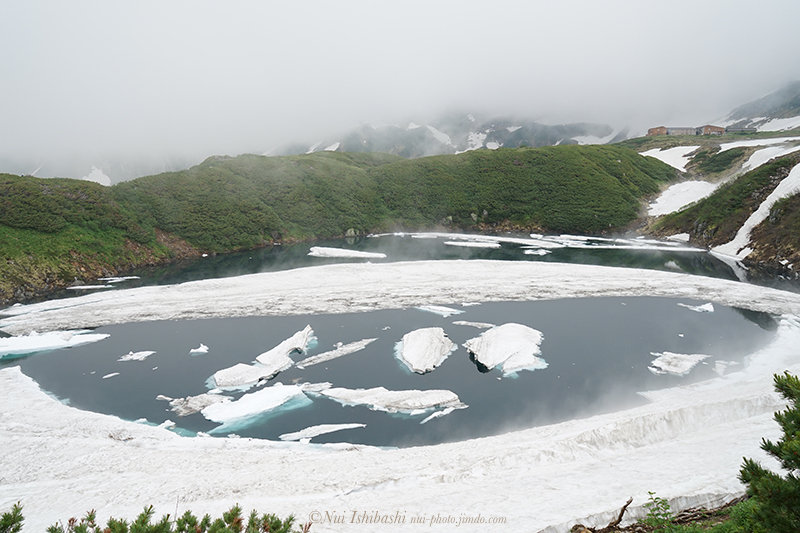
(778, 497)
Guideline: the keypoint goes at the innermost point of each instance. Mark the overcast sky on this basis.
(151, 78)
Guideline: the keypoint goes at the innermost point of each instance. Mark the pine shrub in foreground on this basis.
(231, 521)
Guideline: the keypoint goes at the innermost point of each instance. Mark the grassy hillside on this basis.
(559, 188)
(53, 231)
(716, 219)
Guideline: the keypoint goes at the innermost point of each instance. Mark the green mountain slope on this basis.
(53, 231)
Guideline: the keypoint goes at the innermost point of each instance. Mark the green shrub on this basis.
(777, 497)
(11, 521)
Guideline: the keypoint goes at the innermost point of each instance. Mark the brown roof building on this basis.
(661, 130)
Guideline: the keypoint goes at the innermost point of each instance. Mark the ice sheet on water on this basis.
(674, 363)
(13, 347)
(473, 244)
(404, 401)
(440, 310)
(279, 355)
(267, 365)
(437, 414)
(424, 349)
(315, 431)
(322, 251)
(339, 351)
(512, 347)
(479, 325)
(251, 407)
(136, 356)
(705, 308)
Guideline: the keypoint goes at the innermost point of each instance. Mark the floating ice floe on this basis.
(14, 347)
(136, 356)
(705, 308)
(315, 431)
(199, 350)
(250, 407)
(473, 244)
(339, 351)
(440, 310)
(674, 363)
(537, 251)
(424, 349)
(479, 325)
(321, 251)
(111, 375)
(412, 402)
(193, 404)
(267, 365)
(437, 414)
(512, 347)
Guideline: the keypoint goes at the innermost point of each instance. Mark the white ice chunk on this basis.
(339, 351)
(674, 363)
(315, 431)
(721, 366)
(111, 375)
(511, 346)
(12, 347)
(424, 349)
(136, 356)
(193, 404)
(321, 251)
(479, 325)
(679, 237)
(438, 414)
(537, 251)
(403, 401)
(89, 287)
(705, 308)
(440, 310)
(278, 357)
(200, 349)
(268, 364)
(241, 412)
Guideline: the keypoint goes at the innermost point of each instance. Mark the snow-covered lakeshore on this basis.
(686, 445)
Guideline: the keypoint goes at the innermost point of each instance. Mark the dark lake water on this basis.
(598, 351)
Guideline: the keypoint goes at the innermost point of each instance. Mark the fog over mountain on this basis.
(133, 89)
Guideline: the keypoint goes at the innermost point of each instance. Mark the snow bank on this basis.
(738, 246)
(316, 431)
(701, 431)
(675, 157)
(136, 356)
(401, 401)
(424, 349)
(756, 142)
(341, 349)
(511, 346)
(321, 251)
(780, 124)
(674, 363)
(248, 409)
(678, 196)
(14, 347)
(765, 154)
